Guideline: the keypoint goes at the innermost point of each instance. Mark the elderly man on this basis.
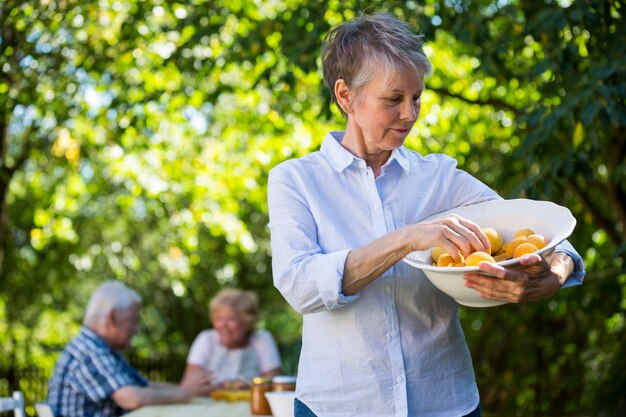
(91, 377)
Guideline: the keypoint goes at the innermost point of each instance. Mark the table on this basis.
(200, 406)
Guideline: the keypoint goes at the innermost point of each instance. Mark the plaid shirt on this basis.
(86, 374)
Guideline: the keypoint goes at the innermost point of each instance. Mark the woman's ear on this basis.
(343, 95)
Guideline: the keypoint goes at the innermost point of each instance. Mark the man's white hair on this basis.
(111, 295)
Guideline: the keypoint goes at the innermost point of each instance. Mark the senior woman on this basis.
(378, 338)
(234, 350)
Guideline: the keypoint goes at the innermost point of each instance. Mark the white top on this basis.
(261, 355)
(396, 348)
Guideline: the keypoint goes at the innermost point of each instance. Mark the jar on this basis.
(284, 383)
(258, 403)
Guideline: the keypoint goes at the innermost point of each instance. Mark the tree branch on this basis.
(4, 181)
(614, 192)
(498, 104)
(6, 171)
(4, 123)
(605, 223)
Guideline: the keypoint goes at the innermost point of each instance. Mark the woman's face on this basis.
(385, 110)
(229, 327)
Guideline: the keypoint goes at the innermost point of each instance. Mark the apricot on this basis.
(477, 257)
(525, 241)
(523, 249)
(445, 260)
(437, 252)
(524, 232)
(500, 257)
(537, 240)
(513, 244)
(495, 239)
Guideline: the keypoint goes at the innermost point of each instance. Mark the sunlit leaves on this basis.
(151, 126)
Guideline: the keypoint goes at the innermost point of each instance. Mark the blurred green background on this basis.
(136, 138)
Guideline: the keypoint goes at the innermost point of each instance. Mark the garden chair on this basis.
(43, 410)
(14, 403)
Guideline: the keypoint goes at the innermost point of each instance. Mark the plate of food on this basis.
(230, 395)
(231, 391)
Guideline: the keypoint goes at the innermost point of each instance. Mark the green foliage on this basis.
(136, 138)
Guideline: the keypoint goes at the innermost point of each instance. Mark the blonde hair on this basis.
(245, 303)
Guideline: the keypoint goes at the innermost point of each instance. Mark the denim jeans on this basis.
(301, 410)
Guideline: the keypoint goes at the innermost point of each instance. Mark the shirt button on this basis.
(392, 334)
(398, 379)
(388, 288)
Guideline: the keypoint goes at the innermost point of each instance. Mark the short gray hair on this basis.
(352, 49)
(111, 295)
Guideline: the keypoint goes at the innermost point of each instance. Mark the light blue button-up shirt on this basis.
(396, 348)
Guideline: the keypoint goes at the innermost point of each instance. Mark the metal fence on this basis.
(33, 381)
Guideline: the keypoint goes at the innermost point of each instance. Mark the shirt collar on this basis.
(340, 158)
(94, 337)
(400, 155)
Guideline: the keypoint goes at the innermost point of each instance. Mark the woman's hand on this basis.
(453, 233)
(456, 234)
(535, 279)
(197, 382)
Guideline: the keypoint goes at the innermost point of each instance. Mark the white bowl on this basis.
(552, 221)
(281, 402)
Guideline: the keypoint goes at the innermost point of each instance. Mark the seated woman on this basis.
(233, 350)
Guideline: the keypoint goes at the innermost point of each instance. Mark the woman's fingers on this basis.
(458, 236)
(483, 242)
(462, 236)
(531, 280)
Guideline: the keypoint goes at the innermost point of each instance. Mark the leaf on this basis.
(590, 112)
(579, 135)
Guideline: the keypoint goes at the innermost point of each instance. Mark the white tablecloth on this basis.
(201, 407)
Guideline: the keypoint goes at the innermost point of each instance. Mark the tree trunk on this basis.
(4, 184)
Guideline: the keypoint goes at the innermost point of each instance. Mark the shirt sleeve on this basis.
(200, 350)
(577, 275)
(267, 351)
(102, 373)
(309, 279)
(461, 188)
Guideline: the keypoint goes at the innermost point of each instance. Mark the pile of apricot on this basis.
(525, 241)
